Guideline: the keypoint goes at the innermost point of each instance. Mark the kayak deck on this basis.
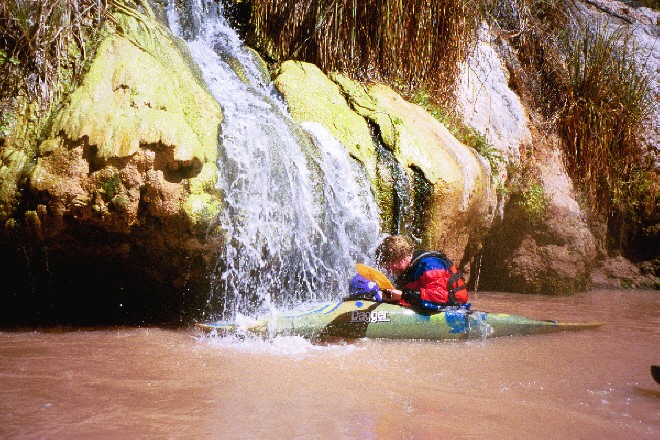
(369, 319)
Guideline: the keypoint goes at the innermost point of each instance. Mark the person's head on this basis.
(394, 254)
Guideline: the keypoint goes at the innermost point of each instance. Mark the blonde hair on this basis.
(392, 249)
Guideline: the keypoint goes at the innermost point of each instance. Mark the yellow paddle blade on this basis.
(374, 275)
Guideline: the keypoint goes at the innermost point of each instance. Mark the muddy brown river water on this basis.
(163, 383)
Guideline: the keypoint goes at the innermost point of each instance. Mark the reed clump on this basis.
(606, 100)
(418, 42)
(43, 47)
(585, 80)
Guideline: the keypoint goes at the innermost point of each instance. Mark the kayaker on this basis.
(425, 279)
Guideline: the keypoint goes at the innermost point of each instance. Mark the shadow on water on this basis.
(647, 392)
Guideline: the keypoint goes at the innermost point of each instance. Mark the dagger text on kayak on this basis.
(374, 316)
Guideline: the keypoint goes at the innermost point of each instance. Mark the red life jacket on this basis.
(456, 287)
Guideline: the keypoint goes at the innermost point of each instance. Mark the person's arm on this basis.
(411, 296)
(392, 295)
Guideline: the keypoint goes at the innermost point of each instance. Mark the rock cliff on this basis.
(112, 214)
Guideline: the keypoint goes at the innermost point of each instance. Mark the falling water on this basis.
(299, 211)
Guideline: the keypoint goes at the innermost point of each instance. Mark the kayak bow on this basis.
(369, 319)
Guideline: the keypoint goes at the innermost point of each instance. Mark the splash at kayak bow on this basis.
(369, 319)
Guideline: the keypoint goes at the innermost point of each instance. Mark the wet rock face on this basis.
(486, 100)
(553, 257)
(447, 185)
(121, 199)
(619, 273)
(553, 254)
(88, 277)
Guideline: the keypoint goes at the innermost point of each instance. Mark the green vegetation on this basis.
(43, 45)
(5, 123)
(606, 99)
(525, 190)
(533, 202)
(4, 58)
(492, 154)
(5, 117)
(111, 186)
(637, 191)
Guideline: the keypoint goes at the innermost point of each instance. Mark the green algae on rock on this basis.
(451, 181)
(312, 97)
(142, 110)
(460, 198)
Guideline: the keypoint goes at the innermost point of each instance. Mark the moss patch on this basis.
(312, 97)
(141, 94)
(132, 96)
(458, 194)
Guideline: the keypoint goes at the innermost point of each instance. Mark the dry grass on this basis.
(43, 39)
(606, 101)
(587, 82)
(417, 42)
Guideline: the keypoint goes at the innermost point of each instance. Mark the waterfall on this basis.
(299, 211)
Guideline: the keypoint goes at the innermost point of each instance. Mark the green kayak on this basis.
(369, 319)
